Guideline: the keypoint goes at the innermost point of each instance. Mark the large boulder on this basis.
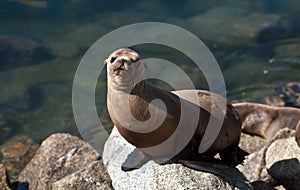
(277, 163)
(282, 162)
(18, 51)
(154, 176)
(58, 156)
(94, 176)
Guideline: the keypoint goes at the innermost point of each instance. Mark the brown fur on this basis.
(264, 120)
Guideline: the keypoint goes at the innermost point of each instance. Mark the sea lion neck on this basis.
(141, 88)
(146, 92)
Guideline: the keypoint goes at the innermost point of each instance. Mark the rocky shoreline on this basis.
(63, 161)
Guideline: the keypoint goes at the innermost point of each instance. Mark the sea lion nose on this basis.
(123, 61)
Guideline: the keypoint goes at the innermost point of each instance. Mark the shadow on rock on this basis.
(286, 172)
(20, 186)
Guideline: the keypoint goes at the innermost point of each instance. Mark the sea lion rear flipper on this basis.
(135, 160)
(214, 168)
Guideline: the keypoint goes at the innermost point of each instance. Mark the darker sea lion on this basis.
(264, 120)
(128, 93)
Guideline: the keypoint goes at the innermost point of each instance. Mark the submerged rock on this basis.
(154, 176)
(227, 25)
(59, 155)
(33, 3)
(32, 98)
(6, 128)
(17, 51)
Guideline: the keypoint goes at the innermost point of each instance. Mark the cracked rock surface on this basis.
(58, 156)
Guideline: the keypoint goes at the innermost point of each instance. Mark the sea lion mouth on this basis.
(118, 71)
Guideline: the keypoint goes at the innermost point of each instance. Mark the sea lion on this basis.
(181, 110)
(297, 135)
(264, 120)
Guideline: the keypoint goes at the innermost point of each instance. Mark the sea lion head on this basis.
(124, 68)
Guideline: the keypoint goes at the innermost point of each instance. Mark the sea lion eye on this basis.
(112, 59)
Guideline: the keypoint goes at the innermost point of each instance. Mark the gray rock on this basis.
(58, 156)
(94, 176)
(257, 165)
(282, 162)
(253, 165)
(251, 144)
(154, 176)
(4, 182)
(17, 152)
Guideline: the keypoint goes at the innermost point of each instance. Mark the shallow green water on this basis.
(256, 44)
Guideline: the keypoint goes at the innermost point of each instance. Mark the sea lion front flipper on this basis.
(214, 168)
(233, 155)
(135, 160)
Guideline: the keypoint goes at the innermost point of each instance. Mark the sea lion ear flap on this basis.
(106, 61)
(134, 58)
